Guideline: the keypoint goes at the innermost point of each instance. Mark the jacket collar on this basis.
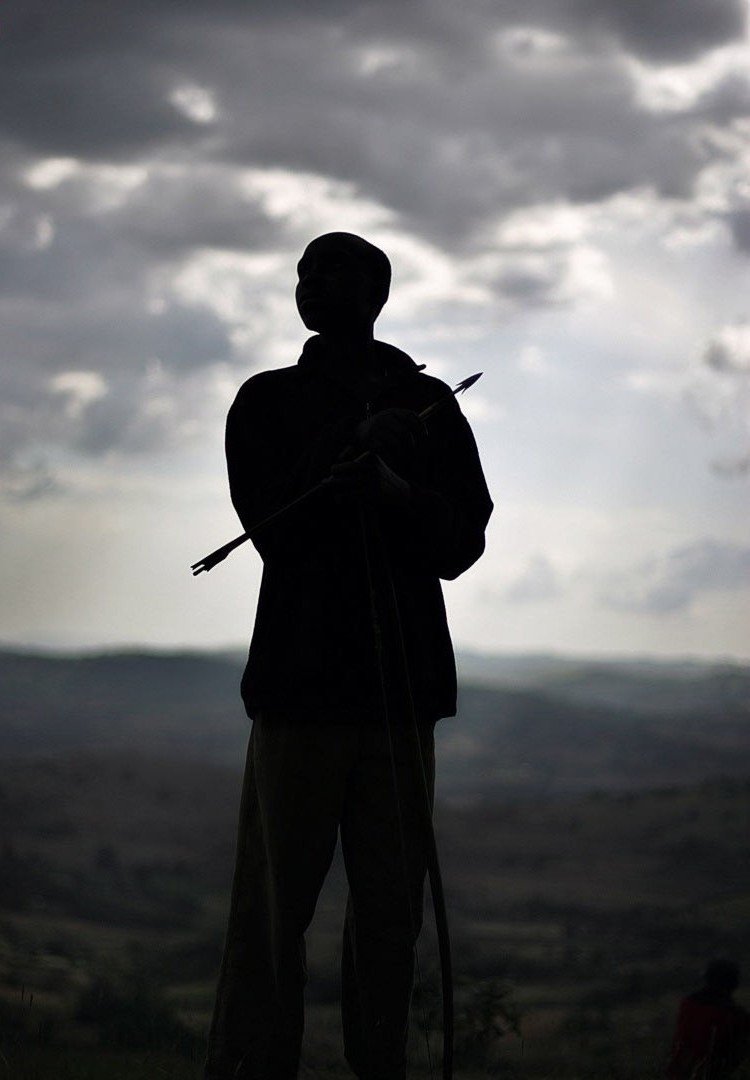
(394, 363)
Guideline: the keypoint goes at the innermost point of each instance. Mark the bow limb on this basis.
(433, 863)
(440, 913)
(444, 948)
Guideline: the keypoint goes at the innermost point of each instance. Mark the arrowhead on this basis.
(468, 382)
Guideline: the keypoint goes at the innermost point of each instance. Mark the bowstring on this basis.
(445, 957)
(384, 697)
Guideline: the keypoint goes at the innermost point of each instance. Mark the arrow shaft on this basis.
(215, 557)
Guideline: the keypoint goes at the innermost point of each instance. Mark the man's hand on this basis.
(392, 434)
(372, 480)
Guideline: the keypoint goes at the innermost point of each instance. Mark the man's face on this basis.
(335, 289)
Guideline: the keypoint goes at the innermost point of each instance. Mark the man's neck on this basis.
(354, 363)
(351, 347)
(350, 351)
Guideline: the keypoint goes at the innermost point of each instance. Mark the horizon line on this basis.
(72, 652)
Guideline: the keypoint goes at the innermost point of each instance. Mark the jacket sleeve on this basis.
(267, 471)
(443, 530)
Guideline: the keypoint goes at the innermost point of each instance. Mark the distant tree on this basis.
(488, 1015)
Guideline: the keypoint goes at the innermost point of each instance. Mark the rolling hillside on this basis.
(526, 726)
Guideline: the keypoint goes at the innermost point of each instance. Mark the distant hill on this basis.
(186, 703)
(651, 685)
(527, 726)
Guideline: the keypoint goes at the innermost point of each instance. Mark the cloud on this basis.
(675, 581)
(739, 223)
(80, 389)
(161, 166)
(719, 396)
(87, 386)
(732, 466)
(177, 210)
(661, 29)
(89, 256)
(728, 351)
(538, 582)
(27, 483)
(657, 29)
(422, 106)
(533, 361)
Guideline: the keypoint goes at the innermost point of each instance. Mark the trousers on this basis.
(304, 783)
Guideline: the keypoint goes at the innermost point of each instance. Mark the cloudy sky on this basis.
(564, 192)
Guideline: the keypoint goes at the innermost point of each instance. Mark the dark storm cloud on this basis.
(97, 276)
(655, 29)
(448, 134)
(76, 266)
(658, 29)
(121, 348)
(448, 115)
(449, 138)
(75, 298)
(94, 78)
(727, 100)
(166, 213)
(80, 78)
(170, 215)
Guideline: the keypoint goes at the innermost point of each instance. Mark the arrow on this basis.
(210, 561)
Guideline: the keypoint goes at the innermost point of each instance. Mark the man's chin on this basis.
(325, 321)
(314, 318)
(318, 323)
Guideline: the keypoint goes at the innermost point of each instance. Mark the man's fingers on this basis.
(399, 424)
(360, 466)
(370, 479)
(352, 476)
(393, 433)
(402, 421)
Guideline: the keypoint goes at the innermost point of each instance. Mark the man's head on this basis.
(343, 283)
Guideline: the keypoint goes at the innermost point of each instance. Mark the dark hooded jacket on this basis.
(338, 577)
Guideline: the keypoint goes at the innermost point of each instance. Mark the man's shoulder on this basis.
(397, 359)
(436, 386)
(263, 385)
(264, 388)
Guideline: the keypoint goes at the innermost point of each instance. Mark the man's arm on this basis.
(267, 471)
(437, 527)
(446, 521)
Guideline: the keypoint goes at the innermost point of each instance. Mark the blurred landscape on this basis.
(592, 819)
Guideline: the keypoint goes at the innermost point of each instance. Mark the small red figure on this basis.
(712, 1035)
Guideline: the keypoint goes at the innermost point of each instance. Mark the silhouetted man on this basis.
(350, 665)
(712, 1035)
